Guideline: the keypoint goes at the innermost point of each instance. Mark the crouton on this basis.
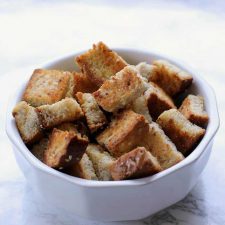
(66, 110)
(180, 130)
(140, 106)
(71, 127)
(170, 78)
(39, 148)
(193, 109)
(83, 84)
(101, 160)
(84, 169)
(93, 114)
(64, 149)
(100, 63)
(135, 164)
(124, 133)
(71, 86)
(161, 147)
(120, 90)
(158, 101)
(27, 122)
(146, 70)
(46, 87)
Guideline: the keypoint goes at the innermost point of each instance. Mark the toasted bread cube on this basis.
(120, 90)
(184, 134)
(137, 163)
(84, 169)
(140, 106)
(71, 127)
(39, 148)
(71, 86)
(83, 84)
(146, 70)
(27, 122)
(46, 87)
(158, 101)
(66, 110)
(161, 147)
(193, 109)
(100, 63)
(93, 114)
(102, 161)
(64, 149)
(170, 78)
(124, 133)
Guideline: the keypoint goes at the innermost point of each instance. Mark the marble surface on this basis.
(34, 32)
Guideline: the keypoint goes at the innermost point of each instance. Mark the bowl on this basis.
(116, 200)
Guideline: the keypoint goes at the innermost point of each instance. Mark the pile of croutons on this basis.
(112, 120)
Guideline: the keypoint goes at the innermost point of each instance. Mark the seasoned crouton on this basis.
(135, 164)
(84, 169)
(100, 63)
(161, 147)
(101, 160)
(71, 86)
(94, 116)
(193, 109)
(39, 148)
(124, 133)
(180, 130)
(83, 84)
(170, 78)
(66, 110)
(140, 106)
(27, 122)
(146, 70)
(64, 149)
(120, 90)
(46, 87)
(158, 101)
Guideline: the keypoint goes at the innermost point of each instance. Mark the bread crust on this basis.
(120, 90)
(100, 63)
(66, 110)
(46, 87)
(124, 133)
(137, 163)
(158, 101)
(193, 109)
(27, 122)
(64, 149)
(94, 116)
(170, 78)
(180, 130)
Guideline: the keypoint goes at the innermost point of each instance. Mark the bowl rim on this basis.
(37, 164)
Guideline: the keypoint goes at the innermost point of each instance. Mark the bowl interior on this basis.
(199, 86)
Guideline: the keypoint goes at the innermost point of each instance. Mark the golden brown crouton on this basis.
(94, 115)
(27, 122)
(146, 70)
(66, 110)
(120, 90)
(124, 133)
(46, 87)
(170, 78)
(64, 149)
(193, 109)
(140, 106)
(161, 147)
(158, 101)
(83, 84)
(180, 130)
(84, 169)
(100, 63)
(71, 86)
(135, 164)
(101, 160)
(39, 148)
(71, 127)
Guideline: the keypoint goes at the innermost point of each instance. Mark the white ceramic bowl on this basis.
(116, 200)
